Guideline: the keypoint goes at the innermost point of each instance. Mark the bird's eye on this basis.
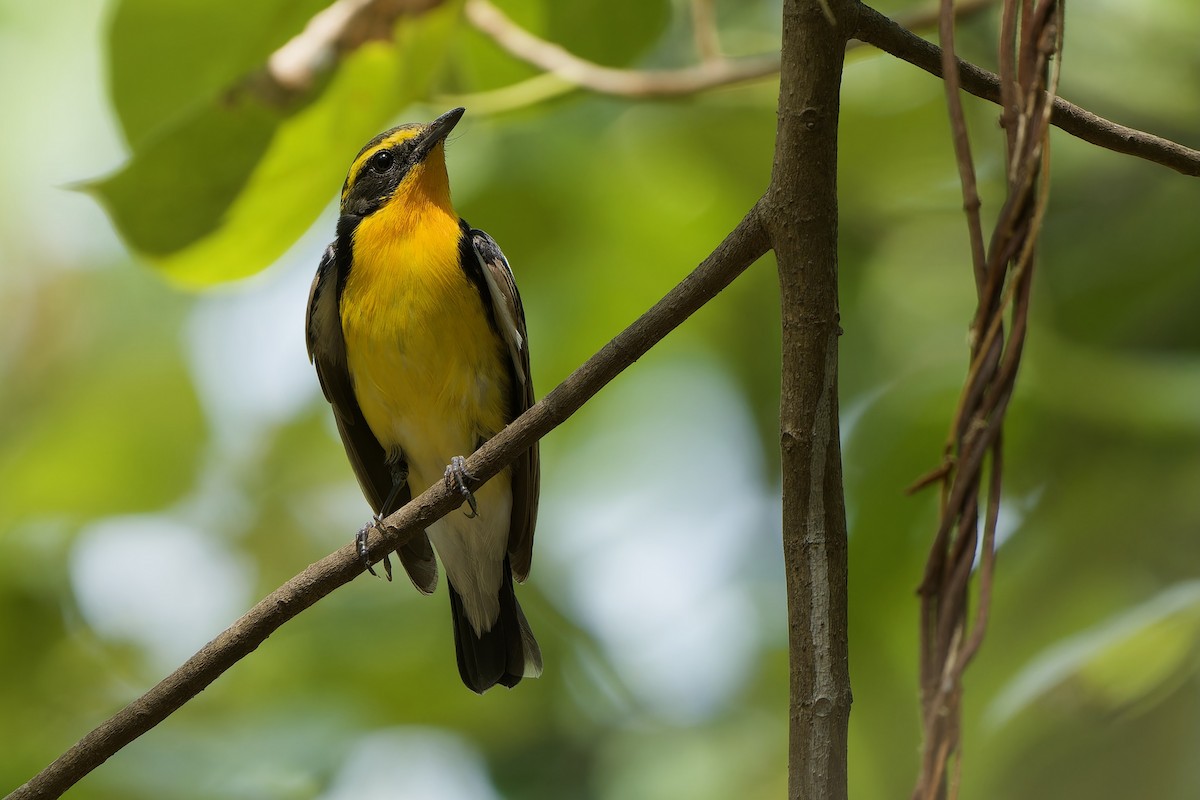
(382, 161)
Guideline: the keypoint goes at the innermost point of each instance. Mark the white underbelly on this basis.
(473, 550)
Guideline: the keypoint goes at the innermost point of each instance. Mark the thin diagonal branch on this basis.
(742, 247)
(878, 30)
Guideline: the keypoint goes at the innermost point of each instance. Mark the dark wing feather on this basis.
(509, 315)
(327, 350)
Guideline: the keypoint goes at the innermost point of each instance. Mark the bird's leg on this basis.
(399, 480)
(360, 542)
(456, 478)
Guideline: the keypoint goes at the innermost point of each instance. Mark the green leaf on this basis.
(222, 193)
(178, 187)
(168, 60)
(1122, 661)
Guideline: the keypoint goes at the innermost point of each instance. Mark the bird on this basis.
(418, 336)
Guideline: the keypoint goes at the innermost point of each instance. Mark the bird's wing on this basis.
(327, 351)
(526, 470)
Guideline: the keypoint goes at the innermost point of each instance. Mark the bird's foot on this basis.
(456, 478)
(360, 542)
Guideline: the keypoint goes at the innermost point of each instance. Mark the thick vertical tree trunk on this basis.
(800, 212)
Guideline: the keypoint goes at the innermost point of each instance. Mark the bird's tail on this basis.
(504, 654)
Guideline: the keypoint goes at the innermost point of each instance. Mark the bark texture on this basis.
(801, 218)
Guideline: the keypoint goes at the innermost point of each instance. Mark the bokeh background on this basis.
(166, 457)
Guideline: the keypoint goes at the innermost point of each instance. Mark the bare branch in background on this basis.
(874, 28)
(879, 31)
(665, 83)
(705, 30)
(950, 634)
(607, 80)
(333, 32)
(711, 73)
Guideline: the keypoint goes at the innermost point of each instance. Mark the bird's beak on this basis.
(435, 132)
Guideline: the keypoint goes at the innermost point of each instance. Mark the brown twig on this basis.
(938, 627)
(744, 245)
(710, 73)
(333, 32)
(874, 28)
(1029, 74)
(879, 31)
(607, 80)
(962, 144)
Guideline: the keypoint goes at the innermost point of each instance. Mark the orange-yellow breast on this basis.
(429, 372)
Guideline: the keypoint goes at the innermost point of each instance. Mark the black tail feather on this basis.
(504, 654)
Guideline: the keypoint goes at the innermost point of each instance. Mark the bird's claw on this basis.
(360, 542)
(456, 478)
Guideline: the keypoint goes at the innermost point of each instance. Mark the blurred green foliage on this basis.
(165, 457)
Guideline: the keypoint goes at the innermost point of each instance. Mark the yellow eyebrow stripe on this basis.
(401, 135)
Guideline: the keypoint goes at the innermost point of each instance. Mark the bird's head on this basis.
(404, 166)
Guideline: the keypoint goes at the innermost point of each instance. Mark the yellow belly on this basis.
(429, 373)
